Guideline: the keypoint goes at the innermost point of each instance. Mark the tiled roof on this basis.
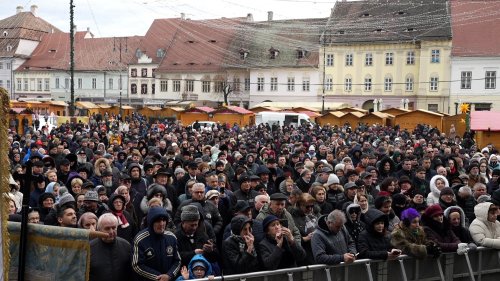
(90, 53)
(199, 45)
(476, 28)
(239, 110)
(288, 37)
(404, 20)
(23, 25)
(204, 109)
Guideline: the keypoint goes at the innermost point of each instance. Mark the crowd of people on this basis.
(182, 202)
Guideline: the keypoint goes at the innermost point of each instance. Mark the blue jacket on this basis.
(197, 258)
(154, 254)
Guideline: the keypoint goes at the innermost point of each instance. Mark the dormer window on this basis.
(400, 13)
(190, 41)
(243, 54)
(160, 53)
(52, 51)
(5, 33)
(274, 53)
(341, 32)
(365, 15)
(301, 53)
(138, 53)
(212, 41)
(9, 48)
(410, 29)
(379, 30)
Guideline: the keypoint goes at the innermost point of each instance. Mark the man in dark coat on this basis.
(110, 256)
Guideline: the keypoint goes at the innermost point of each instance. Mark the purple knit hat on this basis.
(409, 214)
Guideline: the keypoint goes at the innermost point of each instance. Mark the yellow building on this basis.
(379, 55)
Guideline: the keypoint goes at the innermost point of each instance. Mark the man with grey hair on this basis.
(109, 256)
(331, 242)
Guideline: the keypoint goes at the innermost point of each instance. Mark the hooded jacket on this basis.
(195, 259)
(433, 197)
(237, 260)
(484, 232)
(372, 244)
(155, 254)
(274, 257)
(265, 211)
(461, 231)
(329, 248)
(126, 231)
(440, 233)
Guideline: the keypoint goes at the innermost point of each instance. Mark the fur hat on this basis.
(190, 213)
(433, 210)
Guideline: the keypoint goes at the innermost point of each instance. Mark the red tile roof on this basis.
(205, 109)
(199, 45)
(484, 120)
(476, 28)
(239, 110)
(90, 53)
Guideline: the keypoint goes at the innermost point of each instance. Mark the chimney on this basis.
(249, 17)
(34, 9)
(183, 16)
(19, 9)
(270, 16)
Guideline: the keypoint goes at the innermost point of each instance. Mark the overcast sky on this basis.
(107, 18)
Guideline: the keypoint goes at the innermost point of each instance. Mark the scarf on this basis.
(122, 221)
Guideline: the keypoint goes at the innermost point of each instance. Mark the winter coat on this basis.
(187, 247)
(273, 257)
(484, 232)
(441, 234)
(462, 231)
(211, 214)
(124, 231)
(329, 248)
(306, 224)
(372, 244)
(197, 258)
(409, 242)
(236, 258)
(110, 261)
(433, 197)
(154, 254)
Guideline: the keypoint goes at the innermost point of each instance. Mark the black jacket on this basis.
(236, 258)
(274, 257)
(372, 244)
(110, 261)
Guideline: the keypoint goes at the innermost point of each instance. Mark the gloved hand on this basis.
(433, 250)
(462, 248)
(472, 246)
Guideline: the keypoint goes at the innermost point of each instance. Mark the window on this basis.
(133, 88)
(9, 48)
(189, 86)
(236, 84)
(153, 72)
(144, 72)
(291, 84)
(120, 82)
(247, 84)
(8, 85)
(26, 82)
(329, 60)
(110, 83)
(176, 85)
(144, 89)
(260, 84)
(369, 59)
(306, 85)
(368, 84)
(57, 83)
(19, 84)
(348, 60)
(409, 84)
(348, 84)
(46, 84)
(160, 53)
(1, 83)
(39, 84)
(32, 84)
(205, 86)
(153, 90)
(388, 84)
(274, 84)
(389, 58)
(163, 86)
(66, 83)
(133, 72)
(219, 86)
(434, 84)
(329, 83)
(79, 83)
(432, 107)
(9, 65)
(94, 83)
(490, 80)
(1, 65)
(435, 56)
(465, 79)
(274, 53)
(410, 57)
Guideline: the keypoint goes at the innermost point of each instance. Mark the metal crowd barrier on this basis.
(482, 264)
